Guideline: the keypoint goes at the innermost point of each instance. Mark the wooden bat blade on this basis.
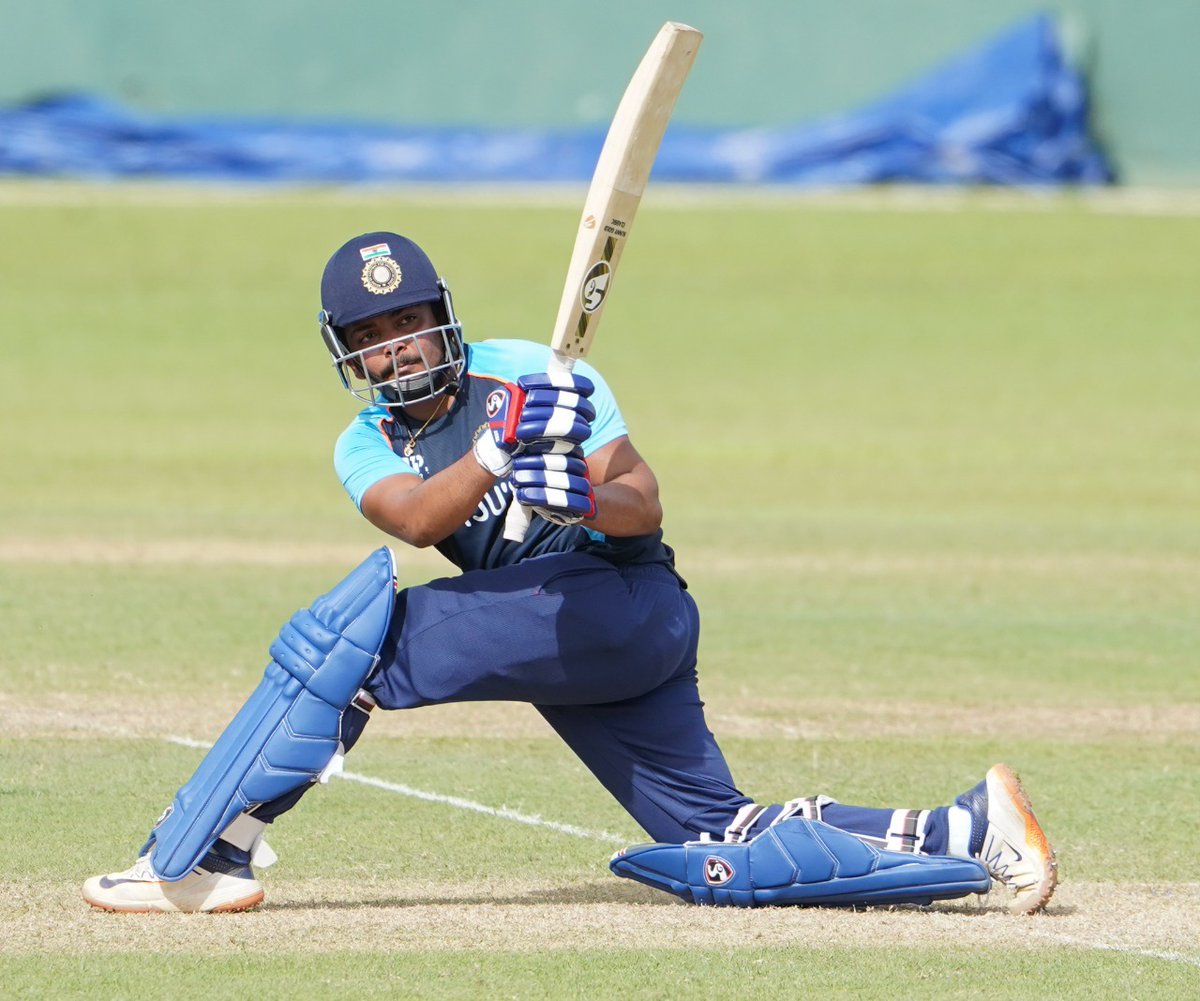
(622, 171)
(612, 201)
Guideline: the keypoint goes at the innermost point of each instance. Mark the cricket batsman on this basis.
(585, 618)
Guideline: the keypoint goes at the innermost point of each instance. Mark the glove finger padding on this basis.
(569, 504)
(555, 423)
(564, 399)
(529, 481)
(549, 405)
(548, 446)
(570, 381)
(555, 486)
(572, 462)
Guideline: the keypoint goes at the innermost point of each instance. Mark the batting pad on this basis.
(288, 731)
(799, 861)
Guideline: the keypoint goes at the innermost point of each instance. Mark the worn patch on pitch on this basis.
(1161, 921)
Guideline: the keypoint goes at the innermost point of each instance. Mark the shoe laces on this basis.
(141, 870)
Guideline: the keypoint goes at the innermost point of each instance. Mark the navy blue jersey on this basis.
(372, 447)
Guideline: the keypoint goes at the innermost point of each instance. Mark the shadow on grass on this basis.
(601, 892)
(617, 892)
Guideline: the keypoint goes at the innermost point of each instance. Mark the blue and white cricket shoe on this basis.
(799, 861)
(1007, 838)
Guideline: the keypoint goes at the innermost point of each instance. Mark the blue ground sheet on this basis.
(1010, 111)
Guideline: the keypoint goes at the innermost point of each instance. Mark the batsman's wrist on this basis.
(490, 455)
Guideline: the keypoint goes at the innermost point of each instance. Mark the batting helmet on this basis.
(378, 273)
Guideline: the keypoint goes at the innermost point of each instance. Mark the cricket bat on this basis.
(612, 201)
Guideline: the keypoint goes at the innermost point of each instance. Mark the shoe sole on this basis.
(1035, 838)
(244, 904)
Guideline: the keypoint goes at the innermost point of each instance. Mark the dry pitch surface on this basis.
(1157, 921)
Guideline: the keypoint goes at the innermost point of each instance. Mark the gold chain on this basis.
(410, 446)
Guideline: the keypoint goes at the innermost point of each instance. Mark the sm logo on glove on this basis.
(496, 402)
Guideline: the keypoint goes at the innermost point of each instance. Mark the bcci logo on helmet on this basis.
(381, 275)
(717, 872)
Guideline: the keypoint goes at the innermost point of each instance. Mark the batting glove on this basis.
(490, 455)
(542, 413)
(551, 407)
(555, 486)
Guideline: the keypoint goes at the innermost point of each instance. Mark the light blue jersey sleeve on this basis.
(509, 360)
(609, 425)
(363, 457)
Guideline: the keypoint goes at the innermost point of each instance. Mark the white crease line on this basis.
(1170, 957)
(579, 832)
(533, 820)
(465, 804)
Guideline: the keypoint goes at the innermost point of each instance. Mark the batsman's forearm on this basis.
(424, 513)
(624, 508)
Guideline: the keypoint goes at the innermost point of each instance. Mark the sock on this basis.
(958, 836)
(924, 831)
(227, 858)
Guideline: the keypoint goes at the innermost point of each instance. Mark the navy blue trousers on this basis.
(606, 654)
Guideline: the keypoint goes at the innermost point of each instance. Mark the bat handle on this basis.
(516, 520)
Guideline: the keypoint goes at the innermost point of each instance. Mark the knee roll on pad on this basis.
(799, 861)
(289, 729)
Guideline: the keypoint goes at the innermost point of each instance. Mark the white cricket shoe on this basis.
(1007, 838)
(139, 891)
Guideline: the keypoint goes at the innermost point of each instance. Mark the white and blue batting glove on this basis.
(542, 413)
(549, 407)
(555, 486)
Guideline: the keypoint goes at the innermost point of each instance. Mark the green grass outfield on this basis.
(930, 466)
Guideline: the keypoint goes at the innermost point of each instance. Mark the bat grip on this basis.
(516, 520)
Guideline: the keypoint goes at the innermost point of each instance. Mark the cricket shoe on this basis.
(1007, 838)
(216, 884)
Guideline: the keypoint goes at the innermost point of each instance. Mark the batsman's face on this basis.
(395, 344)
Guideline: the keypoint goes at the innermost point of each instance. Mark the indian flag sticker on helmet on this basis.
(378, 250)
(381, 275)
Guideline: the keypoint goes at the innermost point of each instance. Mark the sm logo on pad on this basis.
(717, 872)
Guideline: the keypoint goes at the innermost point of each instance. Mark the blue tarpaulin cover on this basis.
(1010, 111)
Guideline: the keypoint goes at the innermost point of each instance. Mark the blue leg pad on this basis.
(799, 861)
(289, 728)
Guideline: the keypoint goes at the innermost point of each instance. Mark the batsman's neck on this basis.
(426, 410)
